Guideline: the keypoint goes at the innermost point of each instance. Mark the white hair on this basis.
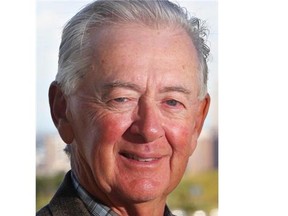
(75, 53)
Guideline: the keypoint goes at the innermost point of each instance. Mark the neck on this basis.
(141, 209)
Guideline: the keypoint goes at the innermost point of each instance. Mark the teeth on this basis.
(145, 159)
(134, 157)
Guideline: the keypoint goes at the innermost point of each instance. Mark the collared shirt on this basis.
(95, 207)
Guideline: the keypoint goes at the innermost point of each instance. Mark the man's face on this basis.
(135, 116)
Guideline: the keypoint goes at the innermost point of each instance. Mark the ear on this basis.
(58, 109)
(202, 113)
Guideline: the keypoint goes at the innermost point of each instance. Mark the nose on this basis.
(147, 123)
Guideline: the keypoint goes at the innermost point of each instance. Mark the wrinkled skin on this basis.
(135, 119)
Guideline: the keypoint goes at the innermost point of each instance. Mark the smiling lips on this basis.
(138, 158)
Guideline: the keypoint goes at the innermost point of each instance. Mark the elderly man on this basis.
(129, 99)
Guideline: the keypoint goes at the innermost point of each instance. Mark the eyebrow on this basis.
(132, 86)
(120, 84)
(176, 89)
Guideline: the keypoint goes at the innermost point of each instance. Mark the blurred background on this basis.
(197, 194)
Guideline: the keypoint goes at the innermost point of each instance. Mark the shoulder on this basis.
(65, 201)
(45, 211)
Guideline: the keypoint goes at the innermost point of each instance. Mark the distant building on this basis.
(205, 156)
(51, 157)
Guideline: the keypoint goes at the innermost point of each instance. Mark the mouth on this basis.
(139, 158)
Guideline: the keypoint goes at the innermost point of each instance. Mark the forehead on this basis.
(136, 52)
(164, 38)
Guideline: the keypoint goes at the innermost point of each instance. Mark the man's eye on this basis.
(120, 100)
(173, 103)
(122, 103)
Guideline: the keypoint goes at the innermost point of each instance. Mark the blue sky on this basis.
(51, 18)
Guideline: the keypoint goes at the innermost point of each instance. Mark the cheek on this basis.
(97, 132)
(104, 133)
(110, 128)
(180, 138)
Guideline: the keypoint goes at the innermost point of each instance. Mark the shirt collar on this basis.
(96, 208)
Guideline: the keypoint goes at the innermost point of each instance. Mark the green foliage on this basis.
(46, 186)
(196, 192)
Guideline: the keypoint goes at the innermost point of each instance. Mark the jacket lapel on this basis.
(66, 200)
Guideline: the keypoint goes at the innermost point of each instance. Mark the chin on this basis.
(143, 191)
